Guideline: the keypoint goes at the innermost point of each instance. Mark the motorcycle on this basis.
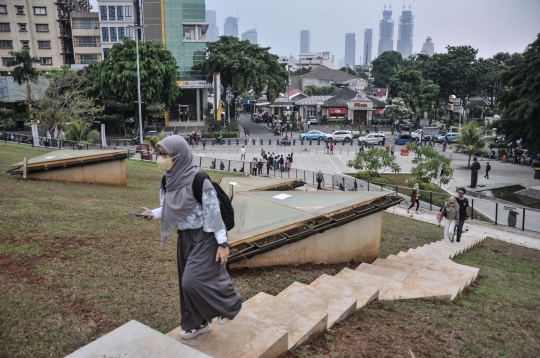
(285, 141)
(25, 140)
(135, 140)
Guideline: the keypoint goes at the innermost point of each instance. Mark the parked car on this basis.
(339, 136)
(425, 134)
(312, 120)
(402, 139)
(450, 137)
(314, 135)
(405, 127)
(150, 133)
(372, 138)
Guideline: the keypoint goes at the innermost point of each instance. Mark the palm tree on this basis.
(25, 71)
(471, 140)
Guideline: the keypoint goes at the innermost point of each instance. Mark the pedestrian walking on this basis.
(204, 144)
(331, 148)
(288, 164)
(206, 291)
(444, 144)
(242, 153)
(415, 198)
(221, 165)
(254, 167)
(392, 149)
(327, 148)
(259, 166)
(355, 185)
(319, 178)
(281, 163)
(450, 213)
(488, 168)
(463, 203)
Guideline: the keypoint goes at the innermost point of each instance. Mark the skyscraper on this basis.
(350, 50)
(212, 34)
(429, 47)
(386, 32)
(305, 41)
(250, 35)
(405, 33)
(368, 45)
(231, 26)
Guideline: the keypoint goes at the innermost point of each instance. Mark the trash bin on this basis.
(146, 152)
(536, 173)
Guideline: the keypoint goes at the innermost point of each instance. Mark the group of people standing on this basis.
(272, 160)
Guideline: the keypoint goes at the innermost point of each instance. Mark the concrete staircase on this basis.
(269, 326)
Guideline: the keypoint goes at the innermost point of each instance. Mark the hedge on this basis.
(224, 134)
(367, 176)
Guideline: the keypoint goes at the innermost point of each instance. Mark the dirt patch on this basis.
(297, 230)
(269, 240)
(238, 248)
(343, 215)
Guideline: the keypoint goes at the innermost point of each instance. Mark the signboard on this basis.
(510, 208)
(450, 106)
(193, 84)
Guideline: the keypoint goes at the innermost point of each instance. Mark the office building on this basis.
(212, 34)
(429, 47)
(405, 33)
(42, 27)
(115, 19)
(350, 50)
(312, 59)
(386, 32)
(305, 41)
(230, 28)
(250, 35)
(368, 45)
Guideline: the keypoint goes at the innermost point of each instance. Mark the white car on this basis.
(372, 138)
(339, 136)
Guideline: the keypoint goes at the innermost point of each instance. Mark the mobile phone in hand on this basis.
(139, 214)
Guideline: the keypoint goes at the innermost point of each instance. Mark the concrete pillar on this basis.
(198, 95)
(204, 100)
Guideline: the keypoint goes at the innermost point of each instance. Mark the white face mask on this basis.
(165, 164)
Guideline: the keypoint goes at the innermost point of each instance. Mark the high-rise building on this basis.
(42, 27)
(368, 45)
(350, 50)
(115, 19)
(386, 32)
(250, 35)
(230, 28)
(212, 34)
(305, 41)
(86, 32)
(405, 33)
(429, 47)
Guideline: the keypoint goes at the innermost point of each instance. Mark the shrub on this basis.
(364, 175)
(224, 134)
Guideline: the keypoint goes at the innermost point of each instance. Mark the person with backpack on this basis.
(192, 205)
(488, 168)
(269, 162)
(320, 178)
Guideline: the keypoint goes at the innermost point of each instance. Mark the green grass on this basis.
(74, 266)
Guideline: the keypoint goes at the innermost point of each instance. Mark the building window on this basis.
(46, 60)
(128, 13)
(88, 59)
(20, 10)
(42, 27)
(129, 32)
(106, 53)
(120, 13)
(104, 34)
(112, 16)
(113, 34)
(86, 41)
(22, 27)
(7, 60)
(189, 33)
(3, 9)
(103, 13)
(121, 34)
(4, 26)
(6, 44)
(86, 24)
(40, 10)
(44, 44)
(25, 44)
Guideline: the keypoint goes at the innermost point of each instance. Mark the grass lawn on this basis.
(74, 266)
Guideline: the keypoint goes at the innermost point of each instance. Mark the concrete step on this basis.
(430, 253)
(400, 289)
(337, 307)
(362, 294)
(136, 340)
(454, 250)
(244, 337)
(436, 251)
(443, 260)
(464, 271)
(301, 322)
(456, 247)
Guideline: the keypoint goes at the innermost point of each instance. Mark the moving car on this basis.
(312, 120)
(339, 136)
(450, 137)
(372, 138)
(402, 139)
(314, 135)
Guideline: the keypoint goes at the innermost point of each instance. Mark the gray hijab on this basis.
(179, 201)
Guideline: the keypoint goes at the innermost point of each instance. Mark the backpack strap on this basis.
(198, 185)
(164, 183)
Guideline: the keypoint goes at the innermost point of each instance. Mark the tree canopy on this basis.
(396, 109)
(244, 66)
(471, 140)
(24, 72)
(384, 67)
(374, 160)
(429, 165)
(417, 92)
(520, 100)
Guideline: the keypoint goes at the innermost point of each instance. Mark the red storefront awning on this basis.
(378, 111)
(338, 111)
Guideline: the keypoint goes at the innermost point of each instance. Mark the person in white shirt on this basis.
(242, 153)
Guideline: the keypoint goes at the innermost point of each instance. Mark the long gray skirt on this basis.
(206, 290)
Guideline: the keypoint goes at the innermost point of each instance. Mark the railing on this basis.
(77, 43)
(85, 26)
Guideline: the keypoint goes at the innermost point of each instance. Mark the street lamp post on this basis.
(137, 27)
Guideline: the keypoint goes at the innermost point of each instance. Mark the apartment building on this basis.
(41, 26)
(115, 19)
(86, 39)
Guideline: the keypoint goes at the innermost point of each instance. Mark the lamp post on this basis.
(136, 28)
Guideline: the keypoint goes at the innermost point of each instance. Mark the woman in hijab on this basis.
(415, 198)
(206, 290)
(450, 213)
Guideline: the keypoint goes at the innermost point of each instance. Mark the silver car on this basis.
(372, 138)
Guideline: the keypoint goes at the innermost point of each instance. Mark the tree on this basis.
(384, 67)
(81, 132)
(25, 71)
(417, 92)
(66, 100)
(470, 140)
(302, 71)
(349, 71)
(116, 77)
(313, 90)
(374, 160)
(244, 66)
(520, 100)
(396, 109)
(429, 164)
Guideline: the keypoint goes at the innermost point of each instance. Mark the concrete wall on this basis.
(357, 241)
(113, 172)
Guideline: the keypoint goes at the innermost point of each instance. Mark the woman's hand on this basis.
(148, 212)
(223, 253)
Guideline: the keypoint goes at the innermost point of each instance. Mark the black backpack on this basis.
(225, 205)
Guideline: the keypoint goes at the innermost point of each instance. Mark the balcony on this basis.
(78, 43)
